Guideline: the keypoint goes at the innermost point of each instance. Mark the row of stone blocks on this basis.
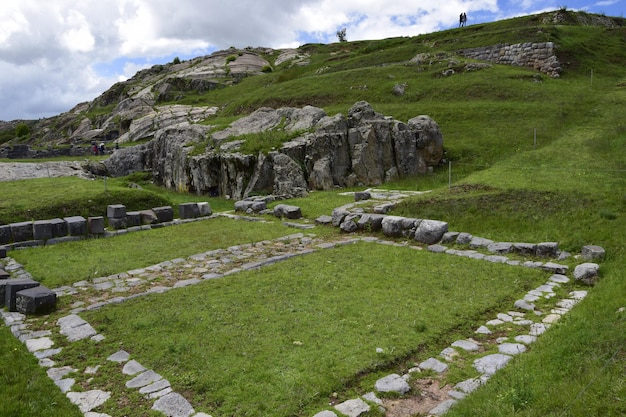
(119, 218)
(56, 230)
(25, 295)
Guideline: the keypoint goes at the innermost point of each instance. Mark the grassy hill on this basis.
(532, 158)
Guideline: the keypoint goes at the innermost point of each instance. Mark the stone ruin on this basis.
(27, 296)
(362, 148)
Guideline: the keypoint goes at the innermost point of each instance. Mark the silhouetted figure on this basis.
(462, 19)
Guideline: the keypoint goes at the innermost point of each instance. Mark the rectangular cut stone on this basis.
(3, 252)
(96, 225)
(3, 290)
(117, 223)
(36, 300)
(164, 214)
(205, 209)
(188, 210)
(42, 230)
(133, 218)
(22, 231)
(5, 234)
(59, 227)
(116, 211)
(76, 225)
(12, 287)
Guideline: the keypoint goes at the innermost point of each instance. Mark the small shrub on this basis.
(230, 58)
(22, 130)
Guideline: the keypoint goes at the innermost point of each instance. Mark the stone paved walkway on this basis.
(182, 272)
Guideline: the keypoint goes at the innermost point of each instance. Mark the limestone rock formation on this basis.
(362, 148)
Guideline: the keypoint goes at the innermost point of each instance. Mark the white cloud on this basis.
(52, 52)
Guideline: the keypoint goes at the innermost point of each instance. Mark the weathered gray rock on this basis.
(364, 148)
(22, 231)
(353, 408)
(174, 405)
(593, 253)
(370, 222)
(287, 211)
(148, 217)
(393, 226)
(434, 365)
(164, 213)
(188, 210)
(12, 287)
(116, 210)
(95, 225)
(490, 364)
(548, 249)
(392, 383)
(464, 238)
(511, 348)
(362, 195)
(500, 248)
(449, 237)
(75, 328)
(525, 249)
(289, 180)
(430, 231)
(479, 242)
(76, 225)
(5, 234)
(42, 230)
(88, 400)
(36, 300)
(587, 273)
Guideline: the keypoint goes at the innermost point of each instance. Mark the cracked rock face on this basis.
(364, 148)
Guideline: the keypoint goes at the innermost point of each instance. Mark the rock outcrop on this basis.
(362, 148)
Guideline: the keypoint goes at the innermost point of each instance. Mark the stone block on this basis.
(116, 211)
(133, 218)
(12, 287)
(5, 234)
(188, 210)
(3, 291)
(22, 231)
(76, 225)
(36, 300)
(59, 227)
(362, 195)
(3, 252)
(525, 248)
(117, 223)
(4, 274)
(95, 225)
(42, 230)
(287, 211)
(164, 214)
(205, 209)
(148, 217)
(548, 249)
(593, 253)
(430, 231)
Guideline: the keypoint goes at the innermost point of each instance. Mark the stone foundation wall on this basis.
(539, 56)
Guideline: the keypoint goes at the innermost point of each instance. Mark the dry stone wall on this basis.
(539, 56)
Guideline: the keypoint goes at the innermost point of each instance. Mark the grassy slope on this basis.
(570, 188)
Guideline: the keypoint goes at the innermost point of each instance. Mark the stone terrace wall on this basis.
(539, 56)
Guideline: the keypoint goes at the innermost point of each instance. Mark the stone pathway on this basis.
(182, 272)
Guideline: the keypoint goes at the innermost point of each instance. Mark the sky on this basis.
(55, 54)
